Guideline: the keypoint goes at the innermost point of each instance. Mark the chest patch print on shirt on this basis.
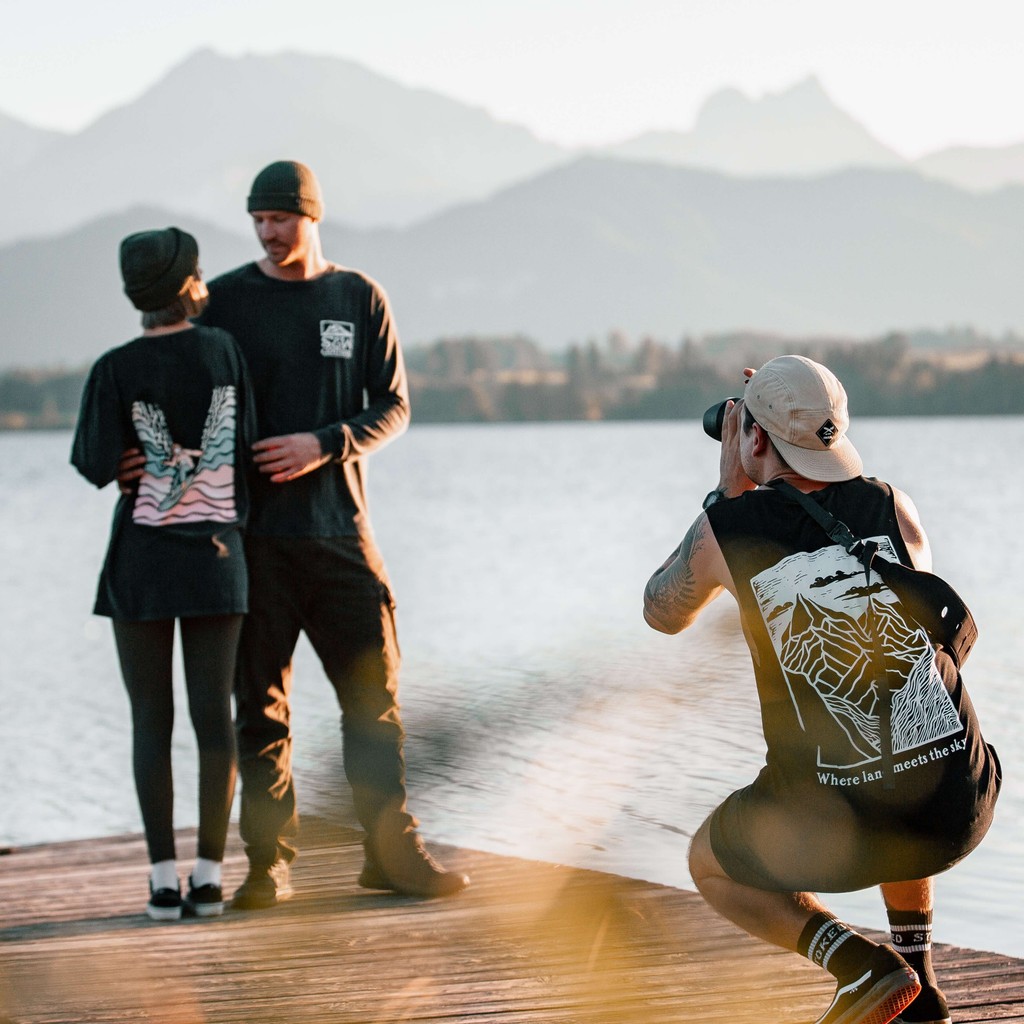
(187, 485)
(815, 606)
(337, 338)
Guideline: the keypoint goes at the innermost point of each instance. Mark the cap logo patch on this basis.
(827, 433)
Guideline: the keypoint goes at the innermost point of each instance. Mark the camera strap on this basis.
(930, 601)
(839, 533)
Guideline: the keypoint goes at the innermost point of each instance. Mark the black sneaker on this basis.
(265, 885)
(928, 1008)
(884, 986)
(164, 904)
(204, 900)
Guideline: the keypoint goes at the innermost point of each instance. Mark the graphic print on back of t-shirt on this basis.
(815, 606)
(187, 485)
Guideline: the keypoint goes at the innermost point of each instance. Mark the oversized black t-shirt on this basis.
(184, 399)
(324, 357)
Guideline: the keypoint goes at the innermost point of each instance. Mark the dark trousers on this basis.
(334, 590)
(208, 645)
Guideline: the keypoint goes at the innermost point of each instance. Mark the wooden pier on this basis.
(527, 942)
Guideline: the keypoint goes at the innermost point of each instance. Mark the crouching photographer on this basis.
(876, 772)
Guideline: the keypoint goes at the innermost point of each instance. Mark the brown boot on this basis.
(397, 860)
(265, 885)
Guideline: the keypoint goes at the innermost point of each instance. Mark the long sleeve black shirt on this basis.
(324, 357)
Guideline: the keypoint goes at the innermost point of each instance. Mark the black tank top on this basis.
(803, 602)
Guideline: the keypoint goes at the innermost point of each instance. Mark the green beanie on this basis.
(289, 186)
(156, 266)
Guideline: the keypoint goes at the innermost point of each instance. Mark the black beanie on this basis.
(156, 266)
(289, 186)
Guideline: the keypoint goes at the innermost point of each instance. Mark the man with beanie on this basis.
(330, 389)
(870, 778)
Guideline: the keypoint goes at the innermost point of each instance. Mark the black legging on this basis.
(208, 648)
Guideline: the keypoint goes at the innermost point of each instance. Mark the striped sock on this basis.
(911, 932)
(833, 945)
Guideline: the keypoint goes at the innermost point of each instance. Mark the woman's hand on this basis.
(130, 467)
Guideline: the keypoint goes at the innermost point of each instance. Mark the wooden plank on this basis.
(529, 943)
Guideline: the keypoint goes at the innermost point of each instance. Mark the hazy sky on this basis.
(920, 74)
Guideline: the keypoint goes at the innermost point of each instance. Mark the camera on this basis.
(715, 417)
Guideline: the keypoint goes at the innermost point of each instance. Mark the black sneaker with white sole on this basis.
(204, 900)
(164, 904)
(875, 992)
(928, 1008)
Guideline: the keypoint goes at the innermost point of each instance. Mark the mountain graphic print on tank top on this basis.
(815, 606)
(187, 485)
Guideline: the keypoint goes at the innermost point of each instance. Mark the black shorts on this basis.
(815, 840)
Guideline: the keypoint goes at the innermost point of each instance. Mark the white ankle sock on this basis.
(206, 872)
(164, 875)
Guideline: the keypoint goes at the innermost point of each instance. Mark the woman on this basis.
(179, 394)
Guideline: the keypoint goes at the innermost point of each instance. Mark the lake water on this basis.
(545, 719)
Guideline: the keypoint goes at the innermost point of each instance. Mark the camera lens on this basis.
(715, 417)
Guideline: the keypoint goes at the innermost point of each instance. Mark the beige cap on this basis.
(802, 406)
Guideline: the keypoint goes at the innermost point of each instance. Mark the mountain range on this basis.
(782, 213)
(389, 154)
(21, 144)
(647, 248)
(385, 153)
(598, 244)
(799, 132)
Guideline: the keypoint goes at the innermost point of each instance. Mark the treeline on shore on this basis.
(511, 379)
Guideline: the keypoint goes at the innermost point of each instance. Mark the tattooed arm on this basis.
(692, 576)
